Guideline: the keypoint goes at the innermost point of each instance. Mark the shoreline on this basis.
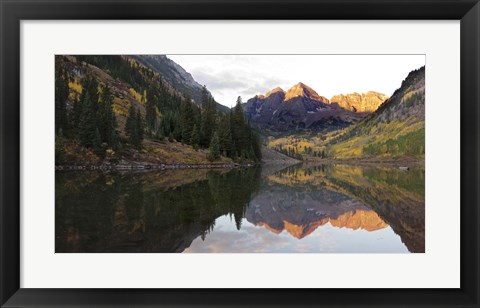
(394, 162)
(383, 161)
(147, 166)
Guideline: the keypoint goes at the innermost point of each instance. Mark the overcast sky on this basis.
(230, 76)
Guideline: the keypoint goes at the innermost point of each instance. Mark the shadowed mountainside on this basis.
(394, 196)
(298, 109)
(396, 128)
(176, 75)
(165, 211)
(146, 212)
(278, 209)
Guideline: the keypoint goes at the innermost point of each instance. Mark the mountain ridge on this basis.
(301, 108)
(302, 90)
(396, 128)
(360, 102)
(115, 111)
(177, 76)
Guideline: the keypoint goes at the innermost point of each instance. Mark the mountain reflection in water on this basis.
(327, 208)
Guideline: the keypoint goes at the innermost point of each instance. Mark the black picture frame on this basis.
(13, 11)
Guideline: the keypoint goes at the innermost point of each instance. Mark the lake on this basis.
(270, 208)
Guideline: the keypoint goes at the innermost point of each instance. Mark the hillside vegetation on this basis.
(111, 109)
(395, 129)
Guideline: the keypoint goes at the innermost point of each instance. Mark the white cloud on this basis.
(230, 76)
(225, 238)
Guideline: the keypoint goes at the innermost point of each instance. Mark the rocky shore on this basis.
(126, 167)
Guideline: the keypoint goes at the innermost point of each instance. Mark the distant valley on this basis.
(395, 129)
(148, 160)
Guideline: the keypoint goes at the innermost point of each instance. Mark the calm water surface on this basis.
(328, 208)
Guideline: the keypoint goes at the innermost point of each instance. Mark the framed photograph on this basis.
(215, 153)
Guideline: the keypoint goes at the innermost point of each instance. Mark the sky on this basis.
(254, 239)
(230, 76)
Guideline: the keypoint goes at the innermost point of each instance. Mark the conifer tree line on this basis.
(164, 115)
(91, 119)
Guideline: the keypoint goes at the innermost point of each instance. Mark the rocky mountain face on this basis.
(175, 75)
(278, 209)
(356, 102)
(392, 127)
(300, 199)
(395, 129)
(399, 203)
(407, 102)
(301, 108)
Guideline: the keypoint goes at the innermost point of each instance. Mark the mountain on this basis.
(175, 75)
(396, 128)
(356, 102)
(111, 109)
(279, 208)
(301, 199)
(398, 197)
(143, 212)
(407, 102)
(298, 109)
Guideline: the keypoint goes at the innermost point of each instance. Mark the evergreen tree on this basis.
(208, 118)
(134, 127)
(214, 149)
(76, 112)
(107, 122)
(87, 126)
(225, 135)
(60, 150)
(151, 109)
(195, 139)
(61, 96)
(93, 121)
(160, 135)
(139, 129)
(205, 96)
(177, 131)
(188, 120)
(238, 220)
(239, 129)
(131, 126)
(90, 86)
(97, 143)
(256, 147)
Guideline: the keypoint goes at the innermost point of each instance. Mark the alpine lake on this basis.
(334, 208)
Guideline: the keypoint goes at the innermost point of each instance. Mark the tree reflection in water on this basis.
(166, 211)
